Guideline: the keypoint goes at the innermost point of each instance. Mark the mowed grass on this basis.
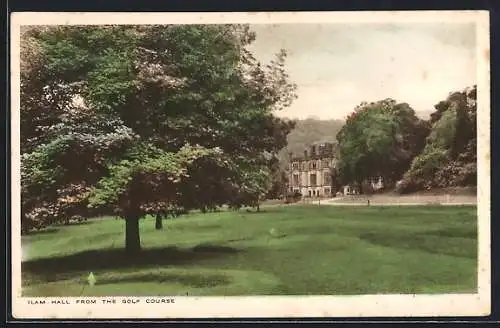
(283, 250)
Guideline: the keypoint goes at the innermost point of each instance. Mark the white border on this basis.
(270, 306)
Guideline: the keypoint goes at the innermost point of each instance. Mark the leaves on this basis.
(449, 156)
(379, 139)
(109, 114)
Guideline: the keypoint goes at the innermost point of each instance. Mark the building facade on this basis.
(310, 174)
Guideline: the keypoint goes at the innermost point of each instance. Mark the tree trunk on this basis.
(132, 238)
(159, 222)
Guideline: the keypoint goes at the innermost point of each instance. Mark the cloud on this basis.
(338, 66)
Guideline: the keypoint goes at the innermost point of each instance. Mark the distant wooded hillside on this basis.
(309, 131)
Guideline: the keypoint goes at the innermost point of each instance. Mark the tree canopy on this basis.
(449, 158)
(379, 139)
(387, 139)
(137, 119)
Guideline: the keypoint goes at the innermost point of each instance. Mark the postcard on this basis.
(250, 165)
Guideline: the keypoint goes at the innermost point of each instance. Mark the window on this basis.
(326, 163)
(295, 179)
(295, 166)
(327, 178)
(313, 179)
(327, 191)
(314, 165)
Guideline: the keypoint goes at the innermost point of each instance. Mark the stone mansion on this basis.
(310, 174)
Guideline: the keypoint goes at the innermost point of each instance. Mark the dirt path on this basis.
(384, 200)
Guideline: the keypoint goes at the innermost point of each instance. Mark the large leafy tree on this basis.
(143, 93)
(379, 139)
(64, 144)
(155, 183)
(449, 157)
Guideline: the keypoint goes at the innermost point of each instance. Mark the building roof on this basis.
(316, 151)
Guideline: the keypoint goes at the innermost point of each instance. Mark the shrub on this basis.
(421, 175)
(293, 197)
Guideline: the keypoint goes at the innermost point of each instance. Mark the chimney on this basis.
(305, 153)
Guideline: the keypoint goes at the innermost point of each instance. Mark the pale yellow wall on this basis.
(304, 176)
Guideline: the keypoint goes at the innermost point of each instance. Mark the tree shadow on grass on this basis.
(65, 267)
(433, 242)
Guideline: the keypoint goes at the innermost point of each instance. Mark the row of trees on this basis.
(160, 120)
(449, 158)
(139, 120)
(386, 139)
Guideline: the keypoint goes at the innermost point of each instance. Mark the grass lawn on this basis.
(283, 250)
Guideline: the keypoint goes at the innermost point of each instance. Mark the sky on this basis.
(337, 66)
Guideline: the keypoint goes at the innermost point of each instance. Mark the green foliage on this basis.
(150, 183)
(423, 166)
(449, 157)
(254, 185)
(55, 177)
(443, 132)
(108, 113)
(379, 139)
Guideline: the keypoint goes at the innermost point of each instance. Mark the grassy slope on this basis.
(312, 250)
